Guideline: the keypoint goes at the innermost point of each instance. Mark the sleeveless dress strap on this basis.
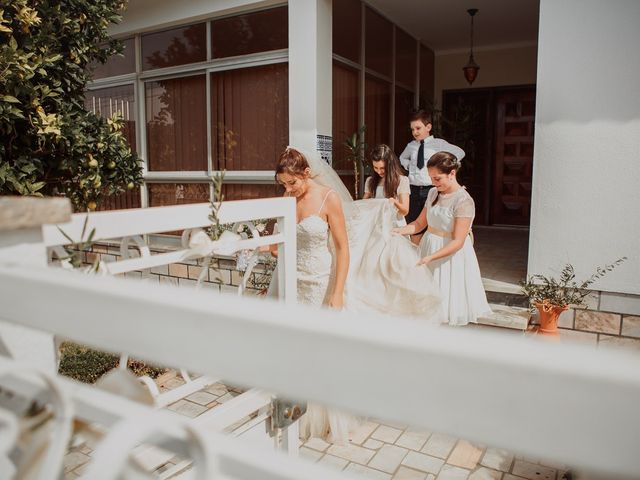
(323, 201)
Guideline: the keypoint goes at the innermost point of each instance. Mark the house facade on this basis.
(226, 85)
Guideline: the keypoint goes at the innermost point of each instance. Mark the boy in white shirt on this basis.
(414, 159)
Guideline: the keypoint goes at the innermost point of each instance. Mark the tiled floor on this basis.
(378, 449)
(502, 253)
(386, 450)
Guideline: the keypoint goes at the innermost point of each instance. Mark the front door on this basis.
(513, 158)
(495, 128)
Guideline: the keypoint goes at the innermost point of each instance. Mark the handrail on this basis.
(393, 369)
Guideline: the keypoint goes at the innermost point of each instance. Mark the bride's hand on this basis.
(336, 302)
(424, 261)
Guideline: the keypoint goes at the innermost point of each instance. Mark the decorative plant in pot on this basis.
(551, 296)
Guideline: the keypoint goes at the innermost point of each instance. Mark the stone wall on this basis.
(610, 319)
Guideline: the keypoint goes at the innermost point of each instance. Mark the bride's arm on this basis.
(335, 218)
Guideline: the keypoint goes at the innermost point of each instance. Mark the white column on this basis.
(21, 243)
(310, 72)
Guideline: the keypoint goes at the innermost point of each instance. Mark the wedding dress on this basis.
(383, 276)
(314, 267)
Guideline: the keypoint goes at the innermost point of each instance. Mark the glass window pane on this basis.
(427, 69)
(406, 58)
(403, 107)
(129, 199)
(241, 191)
(177, 124)
(347, 28)
(250, 33)
(378, 43)
(107, 101)
(250, 117)
(117, 64)
(163, 194)
(174, 47)
(377, 105)
(346, 106)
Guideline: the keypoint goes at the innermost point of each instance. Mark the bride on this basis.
(347, 256)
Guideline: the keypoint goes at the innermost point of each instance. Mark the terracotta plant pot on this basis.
(548, 315)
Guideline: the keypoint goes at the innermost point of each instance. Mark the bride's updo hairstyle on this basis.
(293, 162)
(444, 162)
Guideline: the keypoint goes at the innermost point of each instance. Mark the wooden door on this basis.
(514, 124)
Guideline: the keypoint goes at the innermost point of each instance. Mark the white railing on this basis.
(563, 402)
(131, 228)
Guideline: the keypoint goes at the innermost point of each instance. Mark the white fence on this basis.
(568, 403)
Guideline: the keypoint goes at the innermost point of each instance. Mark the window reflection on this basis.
(178, 46)
(176, 124)
(251, 33)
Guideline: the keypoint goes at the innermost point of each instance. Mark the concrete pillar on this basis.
(21, 243)
(310, 75)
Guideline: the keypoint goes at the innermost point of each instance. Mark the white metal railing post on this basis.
(22, 243)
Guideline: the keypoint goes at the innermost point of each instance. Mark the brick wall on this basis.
(223, 277)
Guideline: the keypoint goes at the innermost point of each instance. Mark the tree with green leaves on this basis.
(49, 143)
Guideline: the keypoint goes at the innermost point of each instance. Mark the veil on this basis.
(383, 275)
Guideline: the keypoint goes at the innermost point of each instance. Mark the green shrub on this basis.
(49, 143)
(88, 365)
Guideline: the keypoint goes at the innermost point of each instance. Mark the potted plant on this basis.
(551, 296)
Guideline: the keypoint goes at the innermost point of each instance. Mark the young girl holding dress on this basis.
(447, 246)
(388, 181)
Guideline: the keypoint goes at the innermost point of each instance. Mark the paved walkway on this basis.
(378, 450)
(502, 253)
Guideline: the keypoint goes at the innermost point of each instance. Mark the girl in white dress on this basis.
(388, 181)
(447, 246)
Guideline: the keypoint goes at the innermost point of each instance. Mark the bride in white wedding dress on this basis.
(347, 255)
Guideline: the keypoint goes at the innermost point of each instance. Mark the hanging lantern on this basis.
(471, 68)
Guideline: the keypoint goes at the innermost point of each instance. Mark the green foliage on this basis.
(355, 152)
(88, 365)
(564, 290)
(49, 144)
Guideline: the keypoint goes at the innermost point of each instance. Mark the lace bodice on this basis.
(314, 259)
(449, 206)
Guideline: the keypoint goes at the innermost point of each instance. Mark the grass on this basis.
(88, 365)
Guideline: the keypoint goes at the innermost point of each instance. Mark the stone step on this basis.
(507, 317)
(491, 285)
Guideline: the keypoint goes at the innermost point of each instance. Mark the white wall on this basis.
(142, 15)
(508, 65)
(586, 178)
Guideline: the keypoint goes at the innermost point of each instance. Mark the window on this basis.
(406, 59)
(178, 46)
(177, 124)
(117, 64)
(106, 102)
(427, 81)
(251, 33)
(250, 117)
(346, 106)
(346, 29)
(378, 43)
(404, 107)
(163, 194)
(377, 104)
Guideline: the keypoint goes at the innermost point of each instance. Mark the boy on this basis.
(414, 159)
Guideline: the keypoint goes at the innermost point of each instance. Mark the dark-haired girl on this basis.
(388, 181)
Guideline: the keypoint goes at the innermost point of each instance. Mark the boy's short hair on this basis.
(421, 115)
